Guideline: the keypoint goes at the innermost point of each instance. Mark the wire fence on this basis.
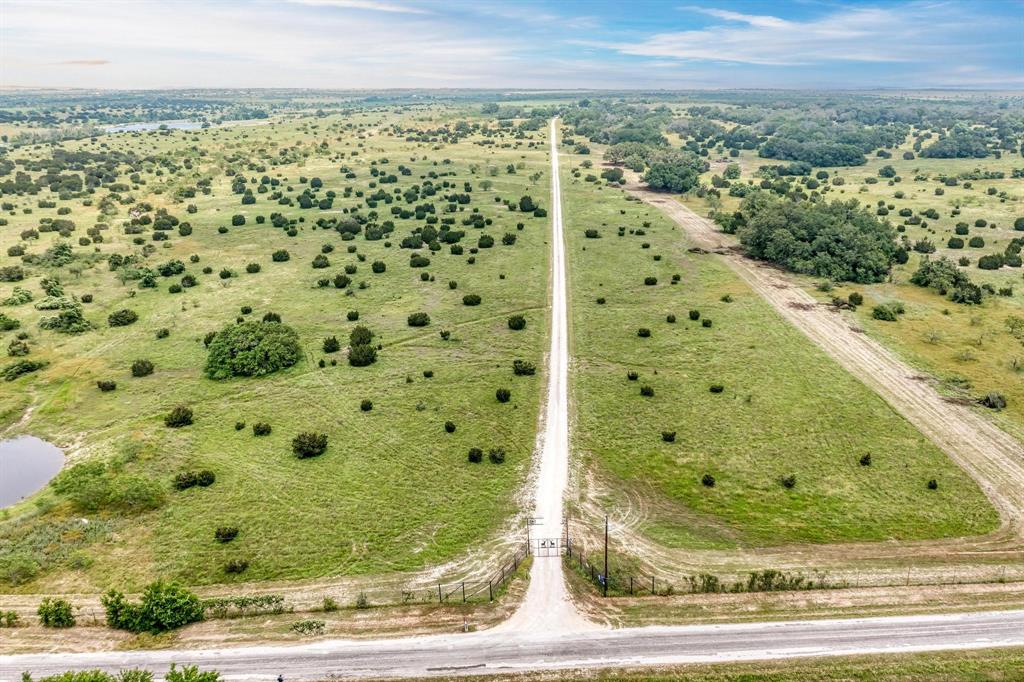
(624, 582)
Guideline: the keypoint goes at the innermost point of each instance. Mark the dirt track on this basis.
(992, 457)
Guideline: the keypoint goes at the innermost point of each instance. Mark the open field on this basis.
(383, 497)
(786, 409)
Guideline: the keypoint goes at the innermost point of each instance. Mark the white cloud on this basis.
(370, 5)
(870, 34)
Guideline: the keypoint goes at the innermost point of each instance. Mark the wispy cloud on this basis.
(369, 5)
(908, 33)
(83, 62)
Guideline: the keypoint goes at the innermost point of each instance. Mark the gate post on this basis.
(490, 591)
(440, 599)
(463, 591)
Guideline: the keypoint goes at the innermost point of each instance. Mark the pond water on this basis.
(146, 126)
(27, 464)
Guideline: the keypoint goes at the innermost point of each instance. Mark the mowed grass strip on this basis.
(785, 409)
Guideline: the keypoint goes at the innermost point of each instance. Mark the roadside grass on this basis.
(976, 665)
(394, 491)
(785, 409)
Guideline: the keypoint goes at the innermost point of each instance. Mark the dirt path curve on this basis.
(992, 457)
(547, 605)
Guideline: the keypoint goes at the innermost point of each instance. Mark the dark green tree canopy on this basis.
(252, 349)
(840, 240)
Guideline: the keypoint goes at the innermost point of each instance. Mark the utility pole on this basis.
(606, 555)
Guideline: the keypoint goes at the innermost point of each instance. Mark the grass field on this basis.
(969, 348)
(394, 491)
(784, 408)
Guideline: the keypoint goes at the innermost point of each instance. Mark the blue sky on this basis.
(534, 44)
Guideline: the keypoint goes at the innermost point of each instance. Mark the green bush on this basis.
(516, 322)
(142, 368)
(180, 416)
(21, 368)
(523, 368)
(362, 355)
(496, 455)
(56, 613)
(309, 444)
(503, 395)
(471, 299)
(163, 607)
(261, 429)
(122, 318)
(476, 455)
(252, 349)
(331, 344)
(418, 320)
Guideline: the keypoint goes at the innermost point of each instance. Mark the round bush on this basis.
(503, 395)
(309, 444)
(261, 429)
(496, 455)
(476, 455)
(471, 299)
(517, 322)
(708, 481)
(643, 332)
(252, 349)
(180, 416)
(106, 386)
(362, 355)
(418, 320)
(122, 318)
(449, 427)
(331, 344)
(366, 405)
(650, 281)
(142, 368)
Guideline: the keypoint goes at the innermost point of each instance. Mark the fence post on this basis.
(463, 591)
(630, 586)
(490, 591)
(652, 584)
(515, 563)
(440, 599)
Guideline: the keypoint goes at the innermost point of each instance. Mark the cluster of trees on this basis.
(841, 240)
(164, 606)
(675, 171)
(252, 349)
(945, 277)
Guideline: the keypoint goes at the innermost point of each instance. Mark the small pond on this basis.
(27, 464)
(146, 126)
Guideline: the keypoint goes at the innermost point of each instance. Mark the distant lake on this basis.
(27, 464)
(146, 126)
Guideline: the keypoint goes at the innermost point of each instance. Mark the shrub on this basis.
(252, 349)
(503, 395)
(309, 444)
(694, 315)
(163, 333)
(716, 388)
(523, 368)
(280, 256)
(955, 243)
(884, 313)
(164, 606)
(632, 376)
(449, 427)
(650, 281)
(496, 455)
(418, 320)
(122, 318)
(331, 344)
(647, 391)
(352, 315)
(330, 605)
(789, 481)
(359, 336)
(471, 299)
(142, 368)
(643, 332)
(855, 298)
(362, 355)
(366, 405)
(320, 262)
(105, 385)
(976, 242)
(378, 266)
(708, 481)
(517, 322)
(225, 534)
(865, 460)
(670, 318)
(21, 368)
(252, 268)
(309, 626)
(236, 566)
(668, 436)
(239, 426)
(56, 613)
(994, 401)
(933, 484)
(180, 416)
(261, 429)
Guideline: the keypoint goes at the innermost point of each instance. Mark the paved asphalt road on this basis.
(491, 652)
